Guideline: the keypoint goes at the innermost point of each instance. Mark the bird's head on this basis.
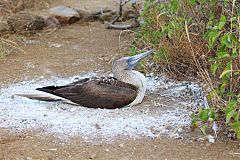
(128, 63)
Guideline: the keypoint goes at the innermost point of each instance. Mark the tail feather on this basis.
(46, 98)
(49, 89)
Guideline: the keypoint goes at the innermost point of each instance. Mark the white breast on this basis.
(141, 83)
(137, 79)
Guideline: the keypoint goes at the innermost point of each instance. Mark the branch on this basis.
(134, 24)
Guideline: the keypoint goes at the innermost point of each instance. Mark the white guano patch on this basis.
(63, 120)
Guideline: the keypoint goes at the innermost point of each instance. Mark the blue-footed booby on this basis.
(127, 87)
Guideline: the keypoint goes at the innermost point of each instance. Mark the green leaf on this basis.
(133, 51)
(236, 127)
(222, 87)
(213, 35)
(203, 129)
(227, 72)
(212, 114)
(230, 115)
(204, 115)
(222, 22)
(233, 19)
(231, 94)
(193, 2)
(214, 68)
(223, 55)
(229, 40)
(232, 103)
(175, 5)
(225, 40)
(203, 1)
(224, 73)
(236, 117)
(234, 53)
(225, 2)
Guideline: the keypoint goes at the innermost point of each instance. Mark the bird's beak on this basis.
(133, 60)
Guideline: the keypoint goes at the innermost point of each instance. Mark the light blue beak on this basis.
(133, 60)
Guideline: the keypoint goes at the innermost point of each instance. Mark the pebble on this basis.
(120, 145)
(53, 149)
(180, 130)
(97, 126)
(55, 45)
(210, 138)
(92, 156)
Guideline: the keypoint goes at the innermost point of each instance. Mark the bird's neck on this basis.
(132, 77)
(135, 78)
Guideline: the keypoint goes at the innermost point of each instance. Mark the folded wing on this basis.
(96, 92)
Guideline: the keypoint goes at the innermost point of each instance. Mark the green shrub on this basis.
(198, 38)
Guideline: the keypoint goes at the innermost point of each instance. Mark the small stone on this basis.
(73, 109)
(120, 145)
(178, 137)
(53, 149)
(97, 126)
(107, 150)
(55, 45)
(180, 130)
(92, 156)
(64, 14)
(210, 138)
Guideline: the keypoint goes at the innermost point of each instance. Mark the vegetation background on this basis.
(198, 39)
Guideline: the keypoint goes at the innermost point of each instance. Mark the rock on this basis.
(65, 15)
(25, 23)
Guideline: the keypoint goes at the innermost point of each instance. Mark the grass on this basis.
(7, 47)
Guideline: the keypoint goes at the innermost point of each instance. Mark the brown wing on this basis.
(96, 92)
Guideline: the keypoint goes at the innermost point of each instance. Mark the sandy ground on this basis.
(69, 51)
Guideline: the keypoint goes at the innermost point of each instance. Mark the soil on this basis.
(81, 48)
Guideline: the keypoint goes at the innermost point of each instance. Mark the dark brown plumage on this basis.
(105, 92)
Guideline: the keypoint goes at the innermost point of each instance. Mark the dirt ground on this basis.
(71, 50)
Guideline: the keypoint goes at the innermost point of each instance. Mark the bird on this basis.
(127, 87)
